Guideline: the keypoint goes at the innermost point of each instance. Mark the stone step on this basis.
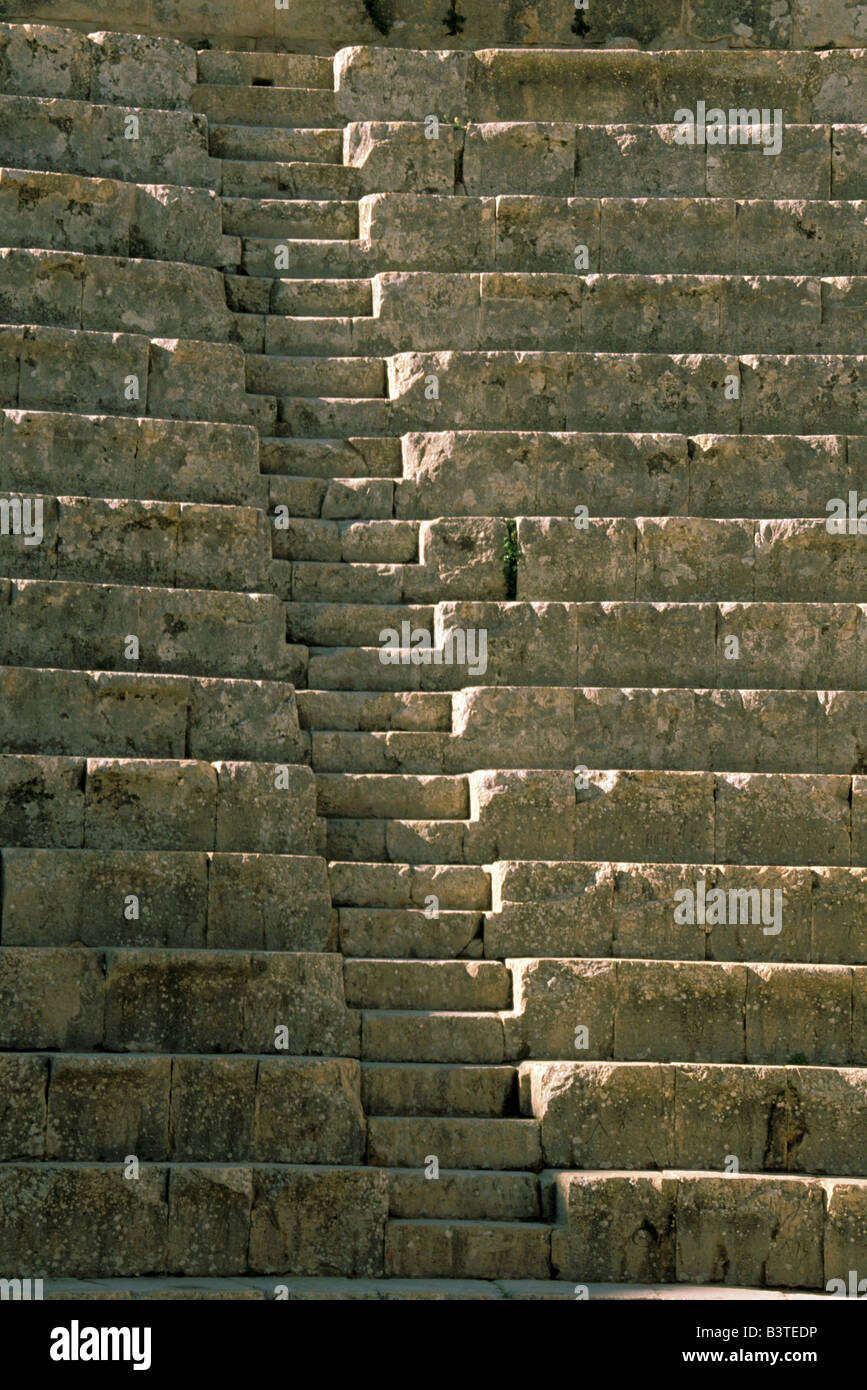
(322, 297)
(312, 582)
(352, 668)
(423, 841)
(120, 714)
(357, 710)
(67, 289)
(235, 141)
(265, 69)
(539, 85)
(388, 932)
(124, 456)
(678, 729)
(70, 624)
(395, 1290)
(431, 1037)
(321, 337)
(778, 645)
(340, 499)
(168, 544)
(81, 137)
(191, 1219)
(537, 473)
(636, 159)
(306, 257)
(464, 1195)
(365, 540)
(318, 623)
(288, 217)
(334, 419)
(274, 107)
(109, 217)
(631, 1115)
(157, 1000)
(622, 391)
(93, 372)
(291, 178)
(190, 899)
(791, 560)
(639, 236)
(707, 1228)
(151, 803)
(429, 985)
(75, 1107)
(457, 1142)
(458, 887)
(627, 910)
(399, 751)
(646, 816)
(373, 796)
(768, 1014)
(467, 1249)
(351, 457)
(613, 312)
(315, 376)
(414, 1088)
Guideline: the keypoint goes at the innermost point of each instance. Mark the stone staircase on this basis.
(353, 977)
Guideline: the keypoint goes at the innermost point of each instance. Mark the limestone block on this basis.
(377, 83)
(599, 1115)
(65, 897)
(265, 808)
(42, 801)
(103, 1108)
(413, 231)
(839, 902)
(633, 161)
(397, 156)
(269, 902)
(51, 999)
(845, 1229)
(782, 819)
(141, 71)
(520, 815)
(65, 1219)
(209, 1220)
(44, 60)
(319, 1221)
(549, 909)
(750, 1232)
(562, 1008)
(559, 561)
(646, 644)
(796, 1011)
(25, 1087)
(652, 816)
(309, 1111)
(520, 157)
(548, 234)
(617, 1227)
